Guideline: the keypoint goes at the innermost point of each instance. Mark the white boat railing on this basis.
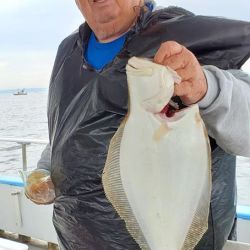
(24, 143)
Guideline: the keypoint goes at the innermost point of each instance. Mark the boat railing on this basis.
(24, 143)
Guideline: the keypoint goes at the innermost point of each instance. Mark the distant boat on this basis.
(20, 92)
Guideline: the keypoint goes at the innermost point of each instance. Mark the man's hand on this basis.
(193, 86)
(39, 187)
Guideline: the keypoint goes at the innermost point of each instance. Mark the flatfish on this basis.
(158, 170)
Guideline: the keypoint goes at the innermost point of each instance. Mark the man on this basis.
(88, 101)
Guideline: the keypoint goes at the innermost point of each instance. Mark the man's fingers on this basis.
(166, 50)
(185, 74)
(183, 88)
(194, 85)
(178, 61)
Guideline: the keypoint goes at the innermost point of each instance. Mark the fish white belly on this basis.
(158, 170)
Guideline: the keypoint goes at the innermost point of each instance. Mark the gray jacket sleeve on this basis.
(44, 162)
(226, 109)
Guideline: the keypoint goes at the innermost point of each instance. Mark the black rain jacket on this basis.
(86, 107)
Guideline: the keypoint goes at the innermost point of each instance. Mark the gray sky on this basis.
(30, 32)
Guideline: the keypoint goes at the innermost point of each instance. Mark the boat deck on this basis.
(33, 244)
(32, 247)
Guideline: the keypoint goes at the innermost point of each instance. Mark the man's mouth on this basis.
(100, 1)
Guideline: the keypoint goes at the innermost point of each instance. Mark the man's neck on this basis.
(113, 37)
(108, 32)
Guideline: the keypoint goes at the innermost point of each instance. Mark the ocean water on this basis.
(22, 117)
(25, 117)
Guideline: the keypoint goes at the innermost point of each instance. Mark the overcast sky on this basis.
(31, 30)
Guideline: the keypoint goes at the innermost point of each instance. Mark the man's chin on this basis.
(104, 19)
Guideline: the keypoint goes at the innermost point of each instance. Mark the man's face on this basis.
(99, 12)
